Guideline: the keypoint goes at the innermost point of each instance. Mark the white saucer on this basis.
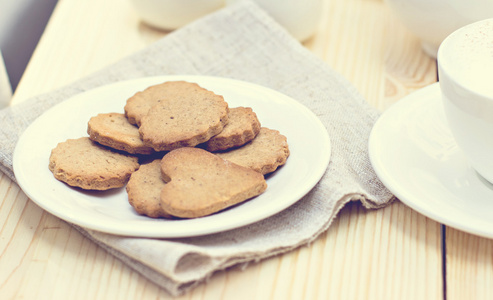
(110, 211)
(414, 154)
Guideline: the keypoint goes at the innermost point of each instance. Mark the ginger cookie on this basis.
(139, 104)
(242, 127)
(264, 154)
(186, 120)
(199, 183)
(88, 165)
(114, 130)
(144, 190)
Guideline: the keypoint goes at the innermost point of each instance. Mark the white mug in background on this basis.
(299, 17)
(465, 68)
(433, 20)
(173, 14)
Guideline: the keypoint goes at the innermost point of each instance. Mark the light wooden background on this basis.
(391, 253)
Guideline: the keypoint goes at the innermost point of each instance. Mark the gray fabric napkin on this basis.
(242, 42)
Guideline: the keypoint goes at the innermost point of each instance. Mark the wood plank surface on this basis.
(469, 266)
(390, 253)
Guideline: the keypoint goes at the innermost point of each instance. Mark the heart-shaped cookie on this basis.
(184, 120)
(139, 104)
(200, 183)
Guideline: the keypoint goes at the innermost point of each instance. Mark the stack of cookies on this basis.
(179, 149)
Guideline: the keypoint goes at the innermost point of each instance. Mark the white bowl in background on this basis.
(299, 17)
(173, 14)
(433, 20)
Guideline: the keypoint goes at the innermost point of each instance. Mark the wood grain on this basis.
(469, 266)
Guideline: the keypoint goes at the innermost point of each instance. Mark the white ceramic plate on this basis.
(415, 155)
(110, 212)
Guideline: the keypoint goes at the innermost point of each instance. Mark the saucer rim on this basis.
(430, 93)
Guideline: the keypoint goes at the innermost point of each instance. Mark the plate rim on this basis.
(320, 171)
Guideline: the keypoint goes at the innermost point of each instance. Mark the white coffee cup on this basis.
(465, 68)
(299, 17)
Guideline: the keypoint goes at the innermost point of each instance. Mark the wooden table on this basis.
(391, 253)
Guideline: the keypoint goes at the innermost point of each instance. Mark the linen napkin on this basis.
(242, 42)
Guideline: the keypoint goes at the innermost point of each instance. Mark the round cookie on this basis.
(144, 190)
(88, 165)
(139, 104)
(242, 127)
(199, 183)
(114, 130)
(186, 120)
(264, 154)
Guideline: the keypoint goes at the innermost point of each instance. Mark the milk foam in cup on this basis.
(465, 70)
